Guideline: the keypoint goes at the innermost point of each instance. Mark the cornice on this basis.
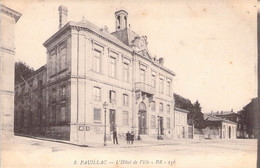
(74, 26)
(10, 12)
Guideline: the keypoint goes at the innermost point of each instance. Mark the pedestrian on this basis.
(128, 137)
(132, 137)
(115, 137)
(139, 137)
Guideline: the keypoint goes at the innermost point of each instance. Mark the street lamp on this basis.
(105, 125)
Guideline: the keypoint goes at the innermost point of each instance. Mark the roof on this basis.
(42, 68)
(90, 27)
(181, 110)
(214, 118)
(126, 35)
(222, 113)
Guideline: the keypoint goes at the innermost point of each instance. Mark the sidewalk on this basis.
(122, 142)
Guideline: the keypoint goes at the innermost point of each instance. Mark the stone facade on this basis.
(218, 128)
(87, 66)
(181, 123)
(9, 18)
(234, 117)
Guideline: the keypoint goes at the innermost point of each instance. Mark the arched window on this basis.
(125, 22)
(53, 94)
(142, 106)
(118, 22)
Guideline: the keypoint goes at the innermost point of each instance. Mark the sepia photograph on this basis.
(122, 84)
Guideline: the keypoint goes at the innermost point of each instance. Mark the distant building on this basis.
(30, 112)
(8, 18)
(234, 117)
(249, 117)
(219, 128)
(181, 123)
(87, 66)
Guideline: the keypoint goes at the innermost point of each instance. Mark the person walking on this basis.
(115, 137)
(128, 137)
(132, 137)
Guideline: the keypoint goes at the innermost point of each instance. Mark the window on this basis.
(168, 87)
(182, 119)
(126, 72)
(153, 106)
(97, 94)
(142, 75)
(53, 95)
(63, 92)
(125, 117)
(97, 60)
(112, 97)
(53, 115)
(168, 123)
(35, 82)
(63, 115)
(53, 63)
(125, 99)
(112, 67)
(161, 107)
(153, 80)
(97, 115)
(153, 121)
(161, 86)
(63, 54)
(168, 108)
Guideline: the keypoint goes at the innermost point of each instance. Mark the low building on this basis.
(181, 124)
(218, 128)
(234, 117)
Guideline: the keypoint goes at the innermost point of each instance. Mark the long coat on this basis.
(128, 136)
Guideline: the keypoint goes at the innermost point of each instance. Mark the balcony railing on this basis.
(139, 86)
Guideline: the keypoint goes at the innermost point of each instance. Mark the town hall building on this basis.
(86, 67)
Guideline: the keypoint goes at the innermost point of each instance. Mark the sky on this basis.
(211, 46)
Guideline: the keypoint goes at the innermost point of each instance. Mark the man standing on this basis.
(128, 137)
(115, 137)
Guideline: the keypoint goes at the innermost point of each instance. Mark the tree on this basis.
(195, 116)
(249, 117)
(22, 69)
(198, 116)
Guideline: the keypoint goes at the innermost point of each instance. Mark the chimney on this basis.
(63, 13)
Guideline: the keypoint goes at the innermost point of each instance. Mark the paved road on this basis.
(27, 152)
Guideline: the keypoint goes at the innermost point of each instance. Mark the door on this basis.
(142, 122)
(183, 132)
(112, 119)
(161, 126)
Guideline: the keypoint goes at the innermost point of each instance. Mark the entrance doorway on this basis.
(161, 126)
(183, 132)
(112, 120)
(142, 118)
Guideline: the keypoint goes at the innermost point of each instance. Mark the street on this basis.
(27, 152)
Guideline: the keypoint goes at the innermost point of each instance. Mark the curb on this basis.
(50, 140)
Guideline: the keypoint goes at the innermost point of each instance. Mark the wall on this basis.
(7, 60)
